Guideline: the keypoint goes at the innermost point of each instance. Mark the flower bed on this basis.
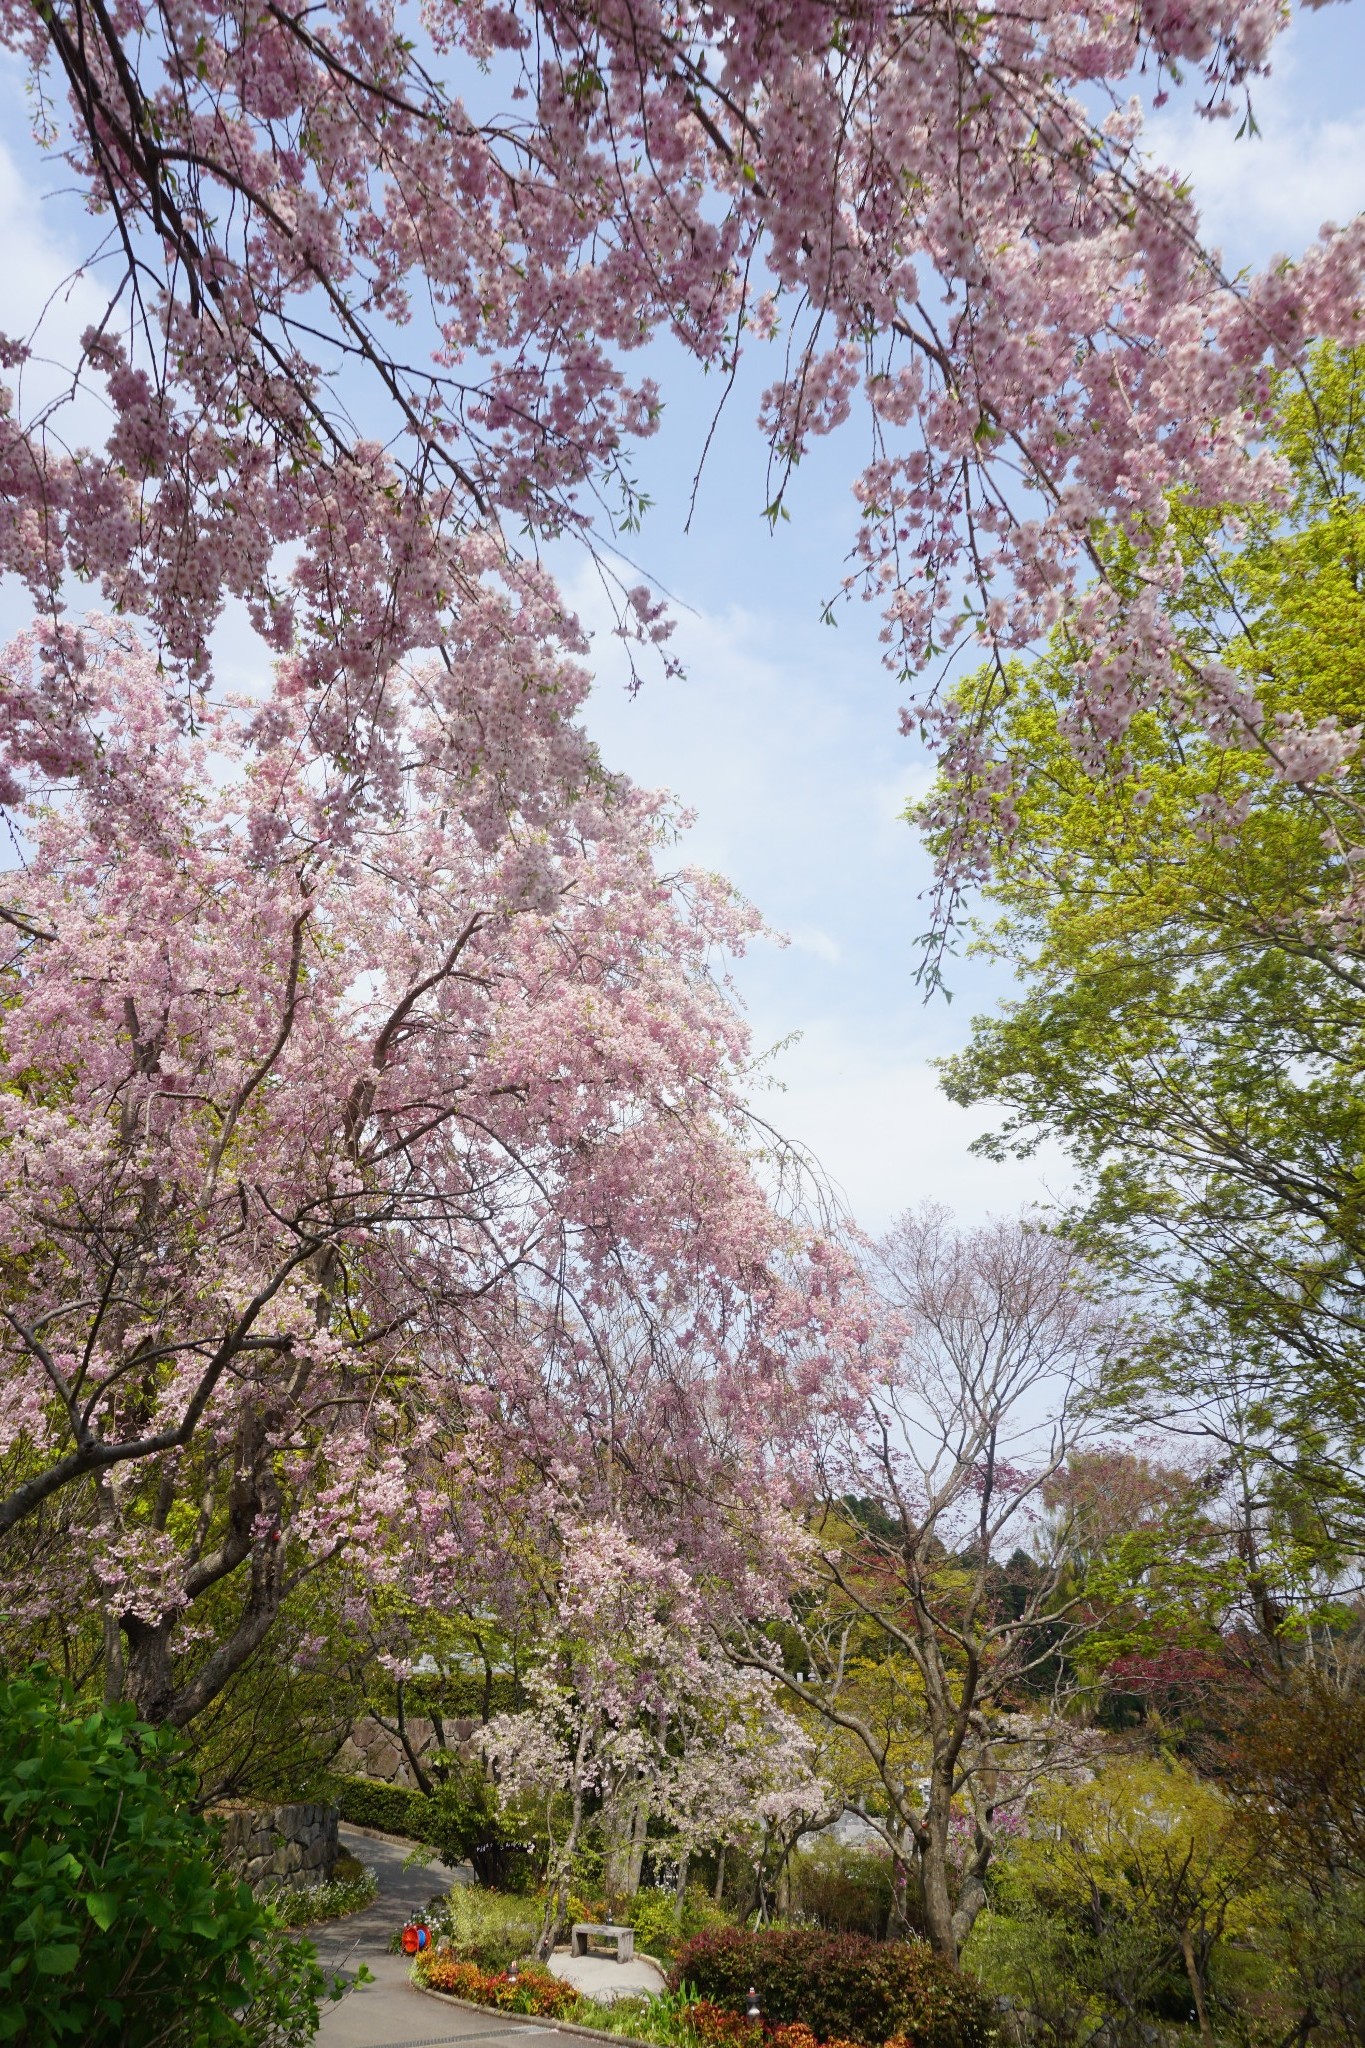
(682, 2023)
(352, 1886)
(718, 2026)
(677, 2019)
(535, 1991)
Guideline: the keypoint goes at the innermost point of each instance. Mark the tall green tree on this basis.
(1191, 1025)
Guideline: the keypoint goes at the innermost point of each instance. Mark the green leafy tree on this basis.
(1191, 1027)
(118, 1926)
(1126, 1882)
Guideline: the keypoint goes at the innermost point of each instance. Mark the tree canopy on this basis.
(1190, 1025)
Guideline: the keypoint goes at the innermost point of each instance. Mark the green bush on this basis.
(459, 1821)
(118, 1925)
(840, 1985)
(490, 1928)
(460, 1818)
(1041, 1967)
(844, 1890)
(392, 1809)
(660, 1930)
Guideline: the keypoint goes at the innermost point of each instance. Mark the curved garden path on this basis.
(391, 2013)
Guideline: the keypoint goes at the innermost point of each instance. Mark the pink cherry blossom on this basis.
(353, 1183)
(457, 224)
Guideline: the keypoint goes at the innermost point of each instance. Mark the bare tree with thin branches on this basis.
(941, 1597)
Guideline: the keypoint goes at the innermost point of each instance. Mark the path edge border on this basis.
(557, 2026)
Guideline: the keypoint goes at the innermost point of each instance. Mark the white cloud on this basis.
(808, 938)
(48, 298)
(887, 1136)
(783, 741)
(1268, 194)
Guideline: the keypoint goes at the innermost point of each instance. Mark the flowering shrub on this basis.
(718, 2026)
(840, 1987)
(715, 2026)
(351, 1886)
(535, 1991)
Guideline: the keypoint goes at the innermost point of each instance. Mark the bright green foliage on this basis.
(118, 1927)
(486, 1927)
(1068, 1980)
(1192, 1024)
(457, 1819)
(1144, 1895)
(662, 1921)
(1117, 1905)
(369, 1803)
(1162, 1846)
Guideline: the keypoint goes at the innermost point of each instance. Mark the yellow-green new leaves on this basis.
(1191, 1025)
(1152, 1841)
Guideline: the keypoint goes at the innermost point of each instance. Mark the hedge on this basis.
(458, 1828)
(839, 1985)
(459, 1695)
(393, 1809)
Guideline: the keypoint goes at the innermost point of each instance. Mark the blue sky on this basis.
(782, 737)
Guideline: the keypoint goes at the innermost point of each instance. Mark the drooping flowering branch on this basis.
(349, 1185)
(305, 227)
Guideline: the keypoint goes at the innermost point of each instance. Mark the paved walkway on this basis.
(603, 1977)
(390, 2013)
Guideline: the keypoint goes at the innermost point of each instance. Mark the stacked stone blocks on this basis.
(278, 1847)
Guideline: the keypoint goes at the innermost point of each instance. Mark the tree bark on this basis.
(1196, 1985)
(557, 1890)
(638, 1838)
(415, 1765)
(938, 1903)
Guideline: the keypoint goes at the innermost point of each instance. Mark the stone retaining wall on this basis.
(277, 1846)
(370, 1751)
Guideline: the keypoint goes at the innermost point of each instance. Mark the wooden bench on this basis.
(583, 1932)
